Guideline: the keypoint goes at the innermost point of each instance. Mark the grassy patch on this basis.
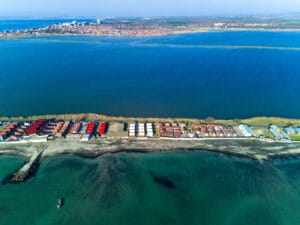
(271, 120)
(251, 121)
(295, 137)
(263, 132)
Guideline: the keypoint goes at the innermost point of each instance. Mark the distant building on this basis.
(141, 130)
(289, 130)
(170, 130)
(277, 133)
(132, 130)
(149, 127)
(219, 24)
(246, 130)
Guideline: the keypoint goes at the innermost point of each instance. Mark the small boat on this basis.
(60, 203)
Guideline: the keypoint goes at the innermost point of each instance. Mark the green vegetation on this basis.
(295, 137)
(255, 121)
(263, 132)
(272, 120)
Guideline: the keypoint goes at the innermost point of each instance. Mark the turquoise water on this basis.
(209, 188)
(219, 74)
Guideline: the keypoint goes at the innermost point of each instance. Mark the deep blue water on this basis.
(193, 75)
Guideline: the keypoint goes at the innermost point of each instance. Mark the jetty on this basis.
(27, 170)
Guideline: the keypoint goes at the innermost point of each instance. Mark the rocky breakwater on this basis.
(28, 170)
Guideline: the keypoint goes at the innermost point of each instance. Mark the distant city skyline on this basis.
(147, 8)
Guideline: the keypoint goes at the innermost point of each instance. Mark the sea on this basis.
(225, 75)
(201, 188)
(220, 74)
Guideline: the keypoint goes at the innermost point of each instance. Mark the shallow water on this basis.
(209, 188)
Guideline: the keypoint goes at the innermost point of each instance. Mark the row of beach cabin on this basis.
(16, 131)
(86, 130)
(140, 130)
(194, 130)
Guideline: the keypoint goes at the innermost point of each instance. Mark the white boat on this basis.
(60, 203)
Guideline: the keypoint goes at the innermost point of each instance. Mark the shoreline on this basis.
(256, 120)
(200, 30)
(245, 148)
(34, 153)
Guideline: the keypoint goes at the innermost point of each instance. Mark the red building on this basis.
(33, 128)
(102, 128)
(90, 128)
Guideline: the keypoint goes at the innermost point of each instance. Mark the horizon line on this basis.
(267, 16)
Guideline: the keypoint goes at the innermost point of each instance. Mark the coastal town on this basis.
(101, 28)
(43, 130)
(150, 26)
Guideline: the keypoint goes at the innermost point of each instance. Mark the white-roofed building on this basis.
(246, 130)
(149, 129)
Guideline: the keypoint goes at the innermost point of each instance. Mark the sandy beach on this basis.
(250, 148)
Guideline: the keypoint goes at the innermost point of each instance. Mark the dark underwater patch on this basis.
(164, 181)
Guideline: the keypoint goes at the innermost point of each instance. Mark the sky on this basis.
(147, 8)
